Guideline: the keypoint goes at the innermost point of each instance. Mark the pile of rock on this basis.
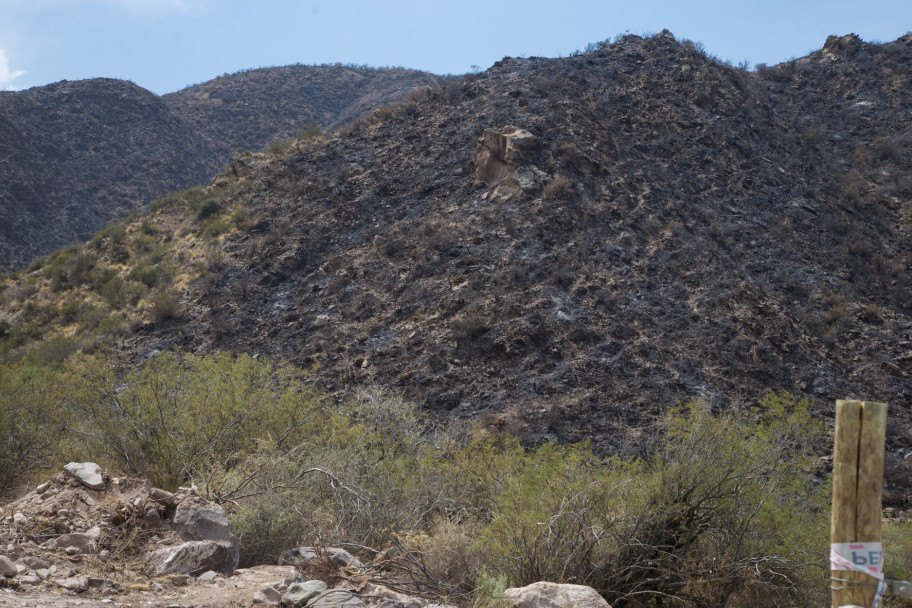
(65, 532)
(78, 513)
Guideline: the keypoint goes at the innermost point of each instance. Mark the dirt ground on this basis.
(221, 592)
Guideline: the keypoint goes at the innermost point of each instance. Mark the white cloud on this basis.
(7, 76)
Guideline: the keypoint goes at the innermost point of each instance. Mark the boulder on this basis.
(194, 558)
(554, 595)
(7, 567)
(308, 555)
(162, 497)
(299, 594)
(87, 473)
(83, 542)
(336, 598)
(197, 519)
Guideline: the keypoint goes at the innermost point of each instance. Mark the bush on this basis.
(558, 188)
(205, 209)
(725, 513)
(53, 351)
(278, 148)
(31, 424)
(178, 417)
(164, 307)
(214, 227)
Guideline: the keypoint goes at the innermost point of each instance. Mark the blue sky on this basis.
(165, 45)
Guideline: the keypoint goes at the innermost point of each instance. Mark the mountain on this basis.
(559, 247)
(78, 155)
(249, 110)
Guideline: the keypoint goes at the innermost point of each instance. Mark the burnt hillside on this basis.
(78, 155)
(565, 247)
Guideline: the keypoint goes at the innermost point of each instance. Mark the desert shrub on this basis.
(164, 306)
(150, 271)
(726, 512)
(723, 514)
(31, 424)
(5, 328)
(557, 189)
(311, 131)
(165, 202)
(69, 268)
(278, 148)
(205, 209)
(214, 226)
(897, 544)
(489, 590)
(110, 325)
(70, 311)
(112, 236)
(177, 417)
(53, 351)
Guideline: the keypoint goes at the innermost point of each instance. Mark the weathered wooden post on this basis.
(856, 553)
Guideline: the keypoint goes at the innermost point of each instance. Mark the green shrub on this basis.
(113, 236)
(31, 424)
(53, 351)
(897, 544)
(725, 512)
(178, 417)
(110, 325)
(149, 273)
(69, 268)
(214, 227)
(278, 148)
(164, 306)
(489, 591)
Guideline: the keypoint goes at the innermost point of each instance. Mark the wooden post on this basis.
(858, 459)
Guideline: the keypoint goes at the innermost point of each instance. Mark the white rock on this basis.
(88, 473)
(553, 595)
(43, 488)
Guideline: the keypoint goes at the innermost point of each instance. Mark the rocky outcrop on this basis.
(498, 152)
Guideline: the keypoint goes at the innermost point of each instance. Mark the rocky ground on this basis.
(87, 539)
